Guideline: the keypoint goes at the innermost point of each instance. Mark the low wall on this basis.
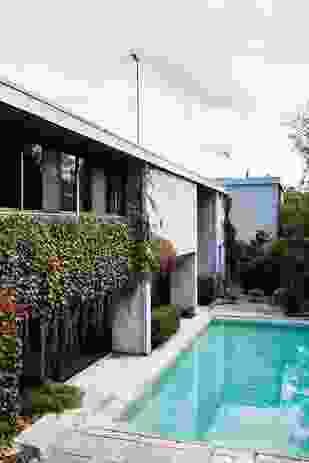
(130, 318)
(184, 281)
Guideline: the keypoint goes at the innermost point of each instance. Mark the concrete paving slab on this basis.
(128, 448)
(233, 456)
(261, 458)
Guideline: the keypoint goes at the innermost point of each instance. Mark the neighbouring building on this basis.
(58, 163)
(255, 204)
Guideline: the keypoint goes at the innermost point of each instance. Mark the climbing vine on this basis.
(62, 249)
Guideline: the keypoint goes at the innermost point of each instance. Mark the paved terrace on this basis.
(94, 435)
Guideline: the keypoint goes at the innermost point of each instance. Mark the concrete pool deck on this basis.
(96, 435)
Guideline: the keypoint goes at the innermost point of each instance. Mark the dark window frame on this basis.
(20, 155)
(113, 190)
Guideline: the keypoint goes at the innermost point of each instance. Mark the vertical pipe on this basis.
(22, 180)
(77, 189)
(147, 315)
(137, 61)
(137, 102)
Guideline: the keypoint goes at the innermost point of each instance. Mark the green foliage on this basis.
(165, 323)
(144, 256)
(78, 244)
(7, 353)
(54, 398)
(279, 247)
(295, 210)
(300, 136)
(7, 431)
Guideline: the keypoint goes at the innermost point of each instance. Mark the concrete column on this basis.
(184, 281)
(203, 232)
(131, 321)
(98, 190)
(51, 182)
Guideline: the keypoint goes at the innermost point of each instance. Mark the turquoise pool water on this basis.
(243, 384)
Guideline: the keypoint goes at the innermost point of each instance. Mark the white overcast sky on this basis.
(216, 74)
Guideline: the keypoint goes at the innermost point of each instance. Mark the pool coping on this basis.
(202, 331)
(111, 416)
(260, 317)
(120, 420)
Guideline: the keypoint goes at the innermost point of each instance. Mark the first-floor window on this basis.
(31, 159)
(84, 185)
(39, 178)
(67, 175)
(115, 194)
(10, 183)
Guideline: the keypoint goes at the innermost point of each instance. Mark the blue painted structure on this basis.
(255, 204)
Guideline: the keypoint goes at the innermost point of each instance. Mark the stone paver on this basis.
(261, 458)
(59, 456)
(222, 455)
(121, 447)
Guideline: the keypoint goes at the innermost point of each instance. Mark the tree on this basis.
(295, 210)
(300, 137)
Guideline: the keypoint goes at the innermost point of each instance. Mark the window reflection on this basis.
(32, 163)
(84, 185)
(10, 182)
(115, 194)
(67, 168)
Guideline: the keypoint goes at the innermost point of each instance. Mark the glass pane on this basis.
(32, 176)
(10, 184)
(67, 176)
(115, 195)
(84, 186)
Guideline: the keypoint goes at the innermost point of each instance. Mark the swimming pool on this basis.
(242, 384)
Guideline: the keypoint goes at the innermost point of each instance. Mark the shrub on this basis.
(53, 398)
(280, 297)
(256, 295)
(165, 322)
(7, 431)
(263, 272)
(279, 248)
(206, 289)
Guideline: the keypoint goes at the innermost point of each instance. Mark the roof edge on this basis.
(127, 146)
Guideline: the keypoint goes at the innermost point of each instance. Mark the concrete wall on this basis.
(210, 232)
(130, 321)
(204, 214)
(220, 250)
(184, 281)
(176, 199)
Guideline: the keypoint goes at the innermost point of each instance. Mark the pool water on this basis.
(243, 384)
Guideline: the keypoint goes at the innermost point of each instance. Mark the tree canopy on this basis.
(295, 209)
(300, 136)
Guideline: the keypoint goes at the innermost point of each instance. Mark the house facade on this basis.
(255, 204)
(60, 164)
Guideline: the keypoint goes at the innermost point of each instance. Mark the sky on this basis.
(216, 75)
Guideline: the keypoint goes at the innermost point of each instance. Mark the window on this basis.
(84, 185)
(67, 174)
(115, 194)
(31, 159)
(10, 181)
(43, 179)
